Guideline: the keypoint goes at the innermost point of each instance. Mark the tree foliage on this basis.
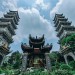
(15, 60)
(69, 40)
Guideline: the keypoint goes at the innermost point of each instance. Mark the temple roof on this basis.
(36, 41)
(67, 28)
(11, 16)
(33, 39)
(36, 45)
(57, 15)
(11, 20)
(27, 48)
(8, 25)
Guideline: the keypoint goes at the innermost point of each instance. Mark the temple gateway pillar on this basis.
(48, 62)
(24, 61)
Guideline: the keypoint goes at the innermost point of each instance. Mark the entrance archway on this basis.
(1, 58)
(70, 58)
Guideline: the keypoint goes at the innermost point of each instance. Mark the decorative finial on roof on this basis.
(36, 37)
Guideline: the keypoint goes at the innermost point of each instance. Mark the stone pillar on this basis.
(74, 52)
(2, 60)
(24, 61)
(48, 62)
(65, 57)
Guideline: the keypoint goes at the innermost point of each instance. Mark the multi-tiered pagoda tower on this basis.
(36, 54)
(64, 29)
(7, 26)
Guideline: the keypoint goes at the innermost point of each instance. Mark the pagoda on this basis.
(64, 29)
(36, 54)
(8, 24)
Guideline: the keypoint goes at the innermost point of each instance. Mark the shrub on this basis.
(57, 65)
(0, 70)
(61, 72)
(72, 64)
(65, 67)
(53, 68)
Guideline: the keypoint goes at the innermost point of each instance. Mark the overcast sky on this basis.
(36, 18)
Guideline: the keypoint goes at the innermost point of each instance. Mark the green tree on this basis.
(69, 40)
(15, 60)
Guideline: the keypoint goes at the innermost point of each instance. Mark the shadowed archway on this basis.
(70, 58)
(1, 57)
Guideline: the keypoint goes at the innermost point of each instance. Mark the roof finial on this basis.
(36, 37)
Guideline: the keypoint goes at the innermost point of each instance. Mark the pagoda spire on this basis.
(64, 29)
(8, 23)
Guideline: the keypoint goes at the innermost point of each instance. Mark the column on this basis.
(65, 57)
(48, 62)
(24, 61)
